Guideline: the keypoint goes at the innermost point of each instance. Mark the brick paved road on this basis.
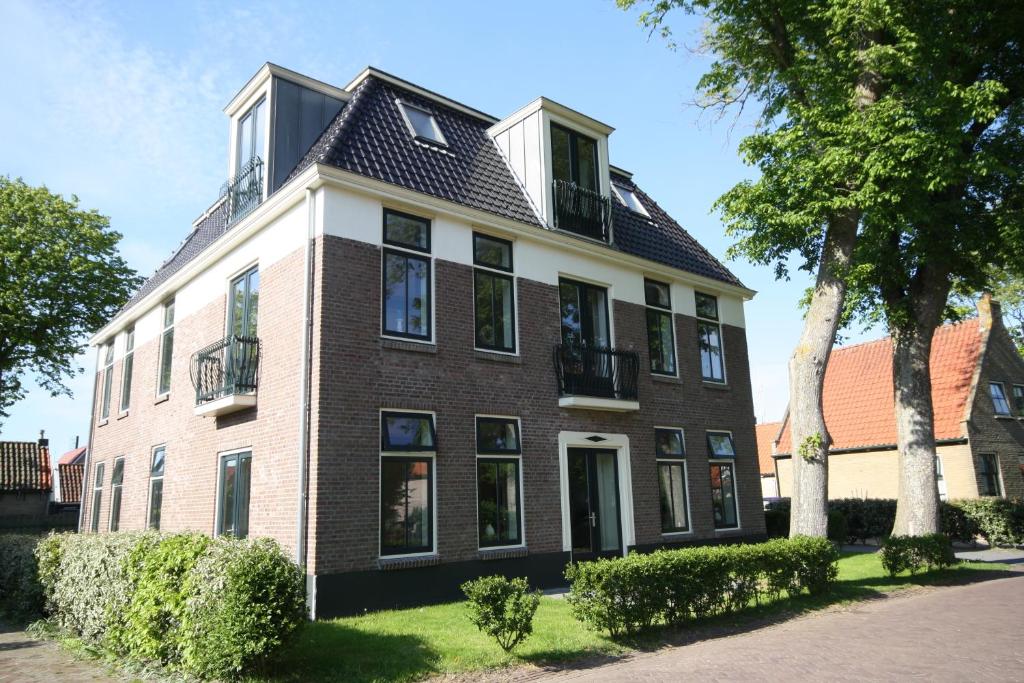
(24, 660)
(963, 633)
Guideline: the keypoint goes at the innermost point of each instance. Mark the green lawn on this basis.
(407, 645)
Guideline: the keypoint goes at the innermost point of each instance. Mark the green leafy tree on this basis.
(1006, 288)
(61, 277)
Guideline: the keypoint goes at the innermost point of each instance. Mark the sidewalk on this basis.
(25, 660)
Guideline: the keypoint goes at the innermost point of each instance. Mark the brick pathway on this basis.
(25, 660)
(960, 633)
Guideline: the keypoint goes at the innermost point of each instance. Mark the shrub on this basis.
(502, 608)
(999, 521)
(866, 518)
(911, 553)
(626, 595)
(838, 528)
(21, 595)
(776, 522)
(956, 524)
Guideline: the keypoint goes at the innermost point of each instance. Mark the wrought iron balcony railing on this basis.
(582, 211)
(228, 367)
(596, 372)
(245, 190)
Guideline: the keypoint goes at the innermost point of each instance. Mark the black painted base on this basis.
(355, 592)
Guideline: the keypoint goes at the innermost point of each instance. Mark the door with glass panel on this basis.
(594, 517)
(243, 311)
(586, 339)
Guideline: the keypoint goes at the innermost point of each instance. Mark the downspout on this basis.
(88, 444)
(304, 414)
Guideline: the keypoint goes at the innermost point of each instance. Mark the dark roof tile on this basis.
(24, 466)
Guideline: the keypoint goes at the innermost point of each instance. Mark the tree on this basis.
(1008, 290)
(814, 69)
(60, 278)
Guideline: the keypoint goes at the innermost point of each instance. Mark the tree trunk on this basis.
(917, 505)
(809, 436)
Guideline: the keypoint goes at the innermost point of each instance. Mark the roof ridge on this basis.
(888, 338)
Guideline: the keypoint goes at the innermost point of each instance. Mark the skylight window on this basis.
(629, 198)
(422, 124)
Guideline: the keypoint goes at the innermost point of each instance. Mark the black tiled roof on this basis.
(24, 466)
(369, 137)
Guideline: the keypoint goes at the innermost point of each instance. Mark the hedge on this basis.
(626, 595)
(211, 608)
(21, 596)
(997, 520)
(913, 553)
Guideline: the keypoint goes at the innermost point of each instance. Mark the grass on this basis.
(411, 644)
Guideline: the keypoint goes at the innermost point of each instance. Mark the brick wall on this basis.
(358, 373)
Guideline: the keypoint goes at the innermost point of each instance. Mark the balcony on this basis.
(225, 375)
(597, 378)
(582, 211)
(244, 192)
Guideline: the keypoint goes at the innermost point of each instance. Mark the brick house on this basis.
(480, 349)
(978, 397)
(25, 483)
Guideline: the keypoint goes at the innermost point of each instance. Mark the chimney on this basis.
(43, 441)
(76, 441)
(990, 313)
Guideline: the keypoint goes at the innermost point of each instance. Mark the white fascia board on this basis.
(269, 69)
(571, 116)
(329, 175)
(620, 171)
(419, 90)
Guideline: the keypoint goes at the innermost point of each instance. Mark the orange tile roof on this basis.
(24, 466)
(766, 433)
(71, 456)
(71, 482)
(859, 404)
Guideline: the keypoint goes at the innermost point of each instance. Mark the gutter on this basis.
(301, 528)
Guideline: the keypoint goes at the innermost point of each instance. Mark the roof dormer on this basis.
(275, 119)
(561, 158)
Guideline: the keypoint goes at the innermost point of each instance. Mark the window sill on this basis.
(1006, 417)
(720, 386)
(103, 422)
(512, 359)
(729, 532)
(488, 554)
(122, 415)
(666, 379)
(404, 345)
(162, 399)
(411, 562)
(671, 535)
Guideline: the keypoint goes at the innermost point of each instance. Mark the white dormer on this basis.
(274, 120)
(561, 158)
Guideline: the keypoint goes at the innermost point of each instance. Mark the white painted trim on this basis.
(403, 108)
(501, 456)
(686, 491)
(110, 512)
(221, 455)
(721, 338)
(575, 118)
(735, 490)
(431, 339)
(269, 69)
(617, 442)
(515, 289)
(612, 405)
(432, 455)
(225, 405)
(672, 317)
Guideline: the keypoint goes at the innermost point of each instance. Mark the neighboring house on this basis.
(68, 477)
(25, 483)
(978, 397)
(767, 432)
(416, 344)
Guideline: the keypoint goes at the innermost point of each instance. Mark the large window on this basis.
(127, 365)
(406, 276)
(584, 314)
(988, 475)
(672, 485)
(108, 378)
(233, 507)
(116, 480)
(166, 349)
(660, 335)
(493, 294)
(156, 486)
(999, 403)
(408, 443)
(709, 337)
(97, 497)
(251, 135)
(722, 454)
(1018, 399)
(573, 157)
(243, 309)
(499, 506)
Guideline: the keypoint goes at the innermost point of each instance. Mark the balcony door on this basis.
(594, 503)
(586, 339)
(243, 312)
(573, 158)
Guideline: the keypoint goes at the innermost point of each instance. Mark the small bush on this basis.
(627, 595)
(838, 528)
(912, 553)
(502, 608)
(21, 595)
(776, 522)
(999, 521)
(956, 524)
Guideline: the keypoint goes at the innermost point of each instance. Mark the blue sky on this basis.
(121, 104)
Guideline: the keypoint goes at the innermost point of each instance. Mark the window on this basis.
(999, 402)
(672, 484)
(108, 378)
(660, 335)
(126, 368)
(497, 435)
(233, 507)
(584, 314)
(573, 157)
(628, 197)
(723, 495)
(406, 277)
(988, 475)
(720, 445)
(493, 294)
(166, 349)
(1018, 399)
(408, 443)
(422, 124)
(244, 307)
(499, 507)
(116, 479)
(250, 136)
(709, 334)
(97, 497)
(156, 486)
(940, 479)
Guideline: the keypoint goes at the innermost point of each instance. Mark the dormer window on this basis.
(422, 124)
(629, 199)
(250, 136)
(574, 157)
(579, 205)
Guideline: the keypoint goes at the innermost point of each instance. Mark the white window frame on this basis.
(1006, 400)
(619, 193)
(164, 329)
(149, 491)
(1013, 399)
(107, 393)
(439, 139)
(432, 456)
(515, 288)
(429, 256)
(127, 370)
(97, 487)
(671, 310)
(721, 338)
(680, 460)
(476, 475)
(221, 456)
(717, 460)
(110, 512)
